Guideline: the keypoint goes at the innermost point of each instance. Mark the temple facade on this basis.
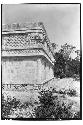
(27, 56)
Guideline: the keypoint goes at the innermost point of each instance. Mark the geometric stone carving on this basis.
(27, 56)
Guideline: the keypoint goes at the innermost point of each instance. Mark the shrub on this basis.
(61, 91)
(54, 90)
(51, 107)
(8, 105)
(72, 92)
(13, 108)
(77, 115)
(46, 108)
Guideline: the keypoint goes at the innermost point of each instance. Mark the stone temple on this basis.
(27, 56)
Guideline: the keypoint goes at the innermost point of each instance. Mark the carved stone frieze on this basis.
(16, 41)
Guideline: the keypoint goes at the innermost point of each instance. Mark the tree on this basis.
(59, 65)
(64, 65)
(78, 55)
(54, 46)
(66, 50)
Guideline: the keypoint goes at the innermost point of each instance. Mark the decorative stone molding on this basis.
(16, 40)
(27, 57)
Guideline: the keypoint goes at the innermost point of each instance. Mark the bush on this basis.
(61, 91)
(8, 105)
(77, 115)
(72, 92)
(13, 108)
(51, 107)
(46, 108)
(54, 90)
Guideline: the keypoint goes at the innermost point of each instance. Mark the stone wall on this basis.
(19, 71)
(26, 70)
(45, 70)
(27, 57)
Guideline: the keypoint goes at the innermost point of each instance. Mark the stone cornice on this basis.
(26, 53)
(21, 26)
(18, 40)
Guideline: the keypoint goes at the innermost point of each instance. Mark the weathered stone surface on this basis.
(27, 56)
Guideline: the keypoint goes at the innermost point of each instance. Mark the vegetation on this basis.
(13, 108)
(51, 107)
(64, 65)
(72, 92)
(8, 105)
(47, 106)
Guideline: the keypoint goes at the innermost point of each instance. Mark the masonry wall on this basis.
(28, 70)
(45, 70)
(19, 71)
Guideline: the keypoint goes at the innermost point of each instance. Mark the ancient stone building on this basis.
(27, 56)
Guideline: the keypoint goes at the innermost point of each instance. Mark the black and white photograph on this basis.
(41, 61)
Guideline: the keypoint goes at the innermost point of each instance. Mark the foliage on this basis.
(66, 50)
(54, 46)
(8, 105)
(46, 108)
(64, 66)
(51, 107)
(59, 65)
(13, 108)
(77, 115)
(72, 92)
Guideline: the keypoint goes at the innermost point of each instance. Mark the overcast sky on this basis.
(61, 21)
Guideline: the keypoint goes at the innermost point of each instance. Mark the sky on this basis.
(61, 21)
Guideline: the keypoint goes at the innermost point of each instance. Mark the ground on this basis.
(60, 88)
